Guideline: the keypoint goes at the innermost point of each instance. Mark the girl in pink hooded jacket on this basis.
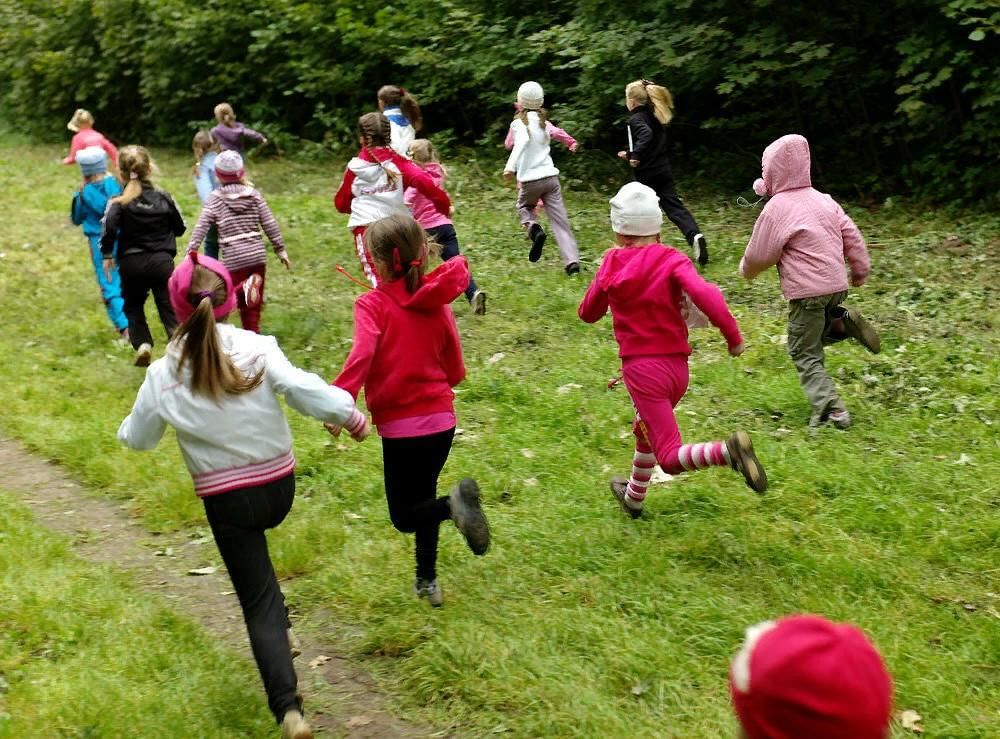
(807, 236)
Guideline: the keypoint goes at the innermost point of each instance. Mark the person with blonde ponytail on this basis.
(217, 387)
(651, 107)
(230, 133)
(145, 222)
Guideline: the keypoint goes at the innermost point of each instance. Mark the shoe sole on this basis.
(143, 358)
(479, 304)
(745, 461)
(700, 251)
(617, 490)
(536, 246)
(251, 291)
(468, 516)
(861, 331)
(436, 599)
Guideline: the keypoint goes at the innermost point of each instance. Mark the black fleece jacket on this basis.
(150, 223)
(649, 146)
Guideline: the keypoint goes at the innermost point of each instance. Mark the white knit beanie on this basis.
(229, 166)
(635, 211)
(530, 96)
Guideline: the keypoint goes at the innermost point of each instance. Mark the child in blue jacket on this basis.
(89, 204)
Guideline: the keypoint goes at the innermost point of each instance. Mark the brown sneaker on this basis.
(618, 487)
(860, 330)
(468, 516)
(430, 590)
(293, 726)
(743, 460)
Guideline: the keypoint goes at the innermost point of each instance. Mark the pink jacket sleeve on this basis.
(855, 251)
(414, 176)
(557, 134)
(708, 297)
(367, 334)
(112, 152)
(595, 302)
(508, 142)
(764, 249)
(75, 144)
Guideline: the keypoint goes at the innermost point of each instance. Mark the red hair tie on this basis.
(194, 257)
(416, 262)
(402, 90)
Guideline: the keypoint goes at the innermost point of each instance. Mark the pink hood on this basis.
(785, 166)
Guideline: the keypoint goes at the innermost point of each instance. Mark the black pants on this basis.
(411, 467)
(673, 207)
(238, 520)
(141, 273)
(445, 235)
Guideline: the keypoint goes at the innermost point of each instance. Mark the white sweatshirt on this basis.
(240, 440)
(530, 159)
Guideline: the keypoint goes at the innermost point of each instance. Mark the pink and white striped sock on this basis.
(705, 454)
(643, 462)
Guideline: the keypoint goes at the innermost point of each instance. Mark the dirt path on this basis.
(341, 699)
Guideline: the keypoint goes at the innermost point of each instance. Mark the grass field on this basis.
(580, 622)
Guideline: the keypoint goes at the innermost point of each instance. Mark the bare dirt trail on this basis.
(341, 698)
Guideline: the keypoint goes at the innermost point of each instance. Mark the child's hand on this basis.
(333, 428)
(858, 281)
(108, 266)
(735, 351)
(573, 147)
(633, 162)
(362, 433)
(623, 155)
(283, 256)
(507, 176)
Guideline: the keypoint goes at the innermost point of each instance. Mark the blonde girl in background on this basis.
(85, 135)
(229, 132)
(651, 107)
(437, 224)
(403, 112)
(531, 163)
(205, 151)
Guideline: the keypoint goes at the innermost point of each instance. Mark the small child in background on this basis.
(229, 133)
(804, 676)
(403, 112)
(531, 163)
(374, 185)
(650, 109)
(240, 213)
(408, 357)
(85, 135)
(89, 204)
(205, 182)
(438, 225)
(807, 236)
(644, 283)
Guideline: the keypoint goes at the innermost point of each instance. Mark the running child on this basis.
(240, 213)
(555, 133)
(439, 226)
(650, 109)
(403, 112)
(644, 282)
(205, 151)
(144, 222)
(89, 204)
(374, 184)
(530, 162)
(407, 356)
(218, 387)
(230, 133)
(85, 135)
(807, 236)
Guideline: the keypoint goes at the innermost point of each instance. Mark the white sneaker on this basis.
(253, 288)
(143, 355)
(700, 247)
(293, 726)
(479, 303)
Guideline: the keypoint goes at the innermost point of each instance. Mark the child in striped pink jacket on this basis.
(240, 213)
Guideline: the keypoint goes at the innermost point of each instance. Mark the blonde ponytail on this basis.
(657, 97)
(135, 168)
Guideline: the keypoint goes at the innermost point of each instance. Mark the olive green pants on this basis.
(809, 321)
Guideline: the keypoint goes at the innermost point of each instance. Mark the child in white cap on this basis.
(531, 163)
(644, 282)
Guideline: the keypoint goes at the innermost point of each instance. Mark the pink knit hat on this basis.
(229, 166)
(805, 676)
(179, 287)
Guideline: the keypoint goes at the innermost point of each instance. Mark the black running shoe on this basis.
(537, 235)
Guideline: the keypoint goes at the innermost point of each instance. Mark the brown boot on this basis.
(743, 460)
(619, 486)
(860, 330)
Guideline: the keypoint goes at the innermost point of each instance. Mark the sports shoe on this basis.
(573, 268)
(142, 355)
(860, 330)
(293, 726)
(479, 303)
(700, 247)
(293, 643)
(743, 460)
(841, 419)
(253, 288)
(430, 590)
(468, 516)
(537, 235)
(619, 486)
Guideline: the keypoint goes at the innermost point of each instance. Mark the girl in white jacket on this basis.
(538, 177)
(218, 387)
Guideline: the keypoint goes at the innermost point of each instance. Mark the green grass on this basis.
(581, 622)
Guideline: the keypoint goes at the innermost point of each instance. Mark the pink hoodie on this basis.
(644, 286)
(423, 210)
(801, 230)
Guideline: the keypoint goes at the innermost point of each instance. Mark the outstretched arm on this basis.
(710, 301)
(764, 249)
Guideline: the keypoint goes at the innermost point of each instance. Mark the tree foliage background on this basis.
(894, 95)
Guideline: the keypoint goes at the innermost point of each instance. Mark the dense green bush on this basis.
(893, 95)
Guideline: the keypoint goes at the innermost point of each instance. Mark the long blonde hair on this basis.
(398, 245)
(136, 167)
(224, 114)
(212, 371)
(657, 97)
(201, 144)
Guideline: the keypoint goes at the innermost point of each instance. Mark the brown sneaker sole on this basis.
(861, 331)
(744, 461)
(469, 517)
(618, 486)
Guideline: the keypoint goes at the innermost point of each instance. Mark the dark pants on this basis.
(411, 467)
(673, 207)
(810, 328)
(141, 273)
(238, 520)
(445, 235)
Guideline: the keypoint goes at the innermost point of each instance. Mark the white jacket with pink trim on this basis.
(802, 231)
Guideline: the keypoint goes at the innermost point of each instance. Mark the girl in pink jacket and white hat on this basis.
(807, 236)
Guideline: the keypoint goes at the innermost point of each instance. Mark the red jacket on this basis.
(643, 286)
(412, 176)
(406, 352)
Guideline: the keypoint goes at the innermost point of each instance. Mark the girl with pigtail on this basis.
(651, 107)
(403, 112)
(407, 356)
(374, 185)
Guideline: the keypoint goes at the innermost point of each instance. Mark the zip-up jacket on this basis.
(150, 223)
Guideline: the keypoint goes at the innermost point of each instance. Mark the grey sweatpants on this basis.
(809, 322)
(550, 192)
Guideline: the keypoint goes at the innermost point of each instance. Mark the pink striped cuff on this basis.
(261, 473)
(356, 422)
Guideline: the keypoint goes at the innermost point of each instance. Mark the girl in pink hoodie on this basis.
(435, 223)
(807, 236)
(644, 283)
